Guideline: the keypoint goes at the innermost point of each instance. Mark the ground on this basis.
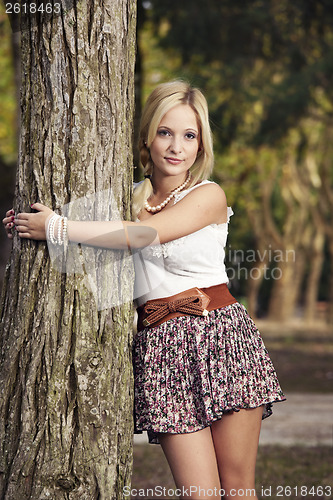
(303, 357)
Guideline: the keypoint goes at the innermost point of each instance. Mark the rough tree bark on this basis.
(66, 382)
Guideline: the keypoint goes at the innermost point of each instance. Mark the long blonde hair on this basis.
(161, 100)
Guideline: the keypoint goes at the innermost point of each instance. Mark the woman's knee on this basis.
(236, 438)
(193, 462)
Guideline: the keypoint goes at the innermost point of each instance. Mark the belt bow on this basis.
(192, 304)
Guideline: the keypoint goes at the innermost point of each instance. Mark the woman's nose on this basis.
(175, 145)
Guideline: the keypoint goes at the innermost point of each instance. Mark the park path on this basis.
(304, 419)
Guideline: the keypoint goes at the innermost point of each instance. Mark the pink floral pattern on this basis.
(191, 370)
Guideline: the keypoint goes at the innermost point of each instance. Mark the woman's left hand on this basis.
(33, 225)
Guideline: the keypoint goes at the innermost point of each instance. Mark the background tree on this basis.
(266, 68)
(66, 383)
(9, 94)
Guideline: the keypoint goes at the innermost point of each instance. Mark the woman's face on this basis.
(176, 144)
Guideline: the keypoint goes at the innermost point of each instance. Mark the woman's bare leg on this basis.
(236, 438)
(193, 463)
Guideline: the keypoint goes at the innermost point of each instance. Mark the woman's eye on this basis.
(163, 132)
(190, 135)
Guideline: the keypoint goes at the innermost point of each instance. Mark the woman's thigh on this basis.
(193, 463)
(236, 438)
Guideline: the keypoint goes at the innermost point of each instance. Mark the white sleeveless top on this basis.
(195, 260)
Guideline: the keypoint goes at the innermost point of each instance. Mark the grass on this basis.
(287, 470)
(293, 472)
(302, 356)
(303, 366)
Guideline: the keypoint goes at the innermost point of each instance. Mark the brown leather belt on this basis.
(197, 301)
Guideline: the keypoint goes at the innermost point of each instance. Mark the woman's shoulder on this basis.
(207, 188)
(203, 182)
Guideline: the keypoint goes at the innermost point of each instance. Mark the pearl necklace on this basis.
(171, 195)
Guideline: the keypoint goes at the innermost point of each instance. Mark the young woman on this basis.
(203, 378)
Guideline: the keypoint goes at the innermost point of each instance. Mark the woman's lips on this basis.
(174, 161)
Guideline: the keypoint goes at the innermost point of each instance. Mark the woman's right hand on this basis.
(8, 223)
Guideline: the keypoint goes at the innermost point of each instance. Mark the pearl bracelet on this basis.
(50, 228)
(62, 230)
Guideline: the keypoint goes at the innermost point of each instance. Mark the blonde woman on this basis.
(203, 378)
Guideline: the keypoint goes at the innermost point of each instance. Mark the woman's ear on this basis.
(145, 143)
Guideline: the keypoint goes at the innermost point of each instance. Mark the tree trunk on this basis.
(254, 283)
(66, 380)
(286, 288)
(330, 291)
(316, 258)
(138, 93)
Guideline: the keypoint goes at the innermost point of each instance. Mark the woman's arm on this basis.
(111, 234)
(203, 206)
(104, 234)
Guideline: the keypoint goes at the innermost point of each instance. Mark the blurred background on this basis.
(266, 69)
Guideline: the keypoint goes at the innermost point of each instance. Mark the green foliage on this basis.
(272, 53)
(8, 108)
(266, 68)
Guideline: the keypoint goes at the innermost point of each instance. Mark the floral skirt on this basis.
(191, 370)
